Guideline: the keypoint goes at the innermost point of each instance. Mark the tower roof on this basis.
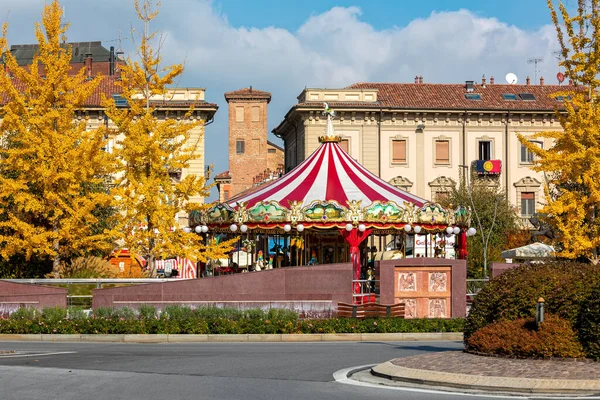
(248, 93)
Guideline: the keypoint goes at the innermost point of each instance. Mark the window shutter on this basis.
(399, 151)
(442, 152)
(239, 114)
(255, 114)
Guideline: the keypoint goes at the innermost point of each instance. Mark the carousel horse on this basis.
(260, 262)
(389, 255)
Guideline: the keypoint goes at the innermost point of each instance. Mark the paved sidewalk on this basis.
(468, 371)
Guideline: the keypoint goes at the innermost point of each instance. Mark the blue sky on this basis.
(384, 14)
(284, 46)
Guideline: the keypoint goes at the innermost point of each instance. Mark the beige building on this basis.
(419, 136)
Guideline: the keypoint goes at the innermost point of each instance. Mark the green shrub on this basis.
(54, 314)
(25, 313)
(124, 313)
(77, 313)
(147, 312)
(589, 324)
(519, 338)
(103, 312)
(564, 286)
(177, 313)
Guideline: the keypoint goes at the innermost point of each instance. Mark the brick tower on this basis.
(247, 136)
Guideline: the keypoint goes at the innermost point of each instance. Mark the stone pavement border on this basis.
(190, 338)
(398, 373)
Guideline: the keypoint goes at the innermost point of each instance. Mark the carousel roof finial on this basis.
(330, 135)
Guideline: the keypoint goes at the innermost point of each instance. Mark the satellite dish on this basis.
(511, 78)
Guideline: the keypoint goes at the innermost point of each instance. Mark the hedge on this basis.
(181, 319)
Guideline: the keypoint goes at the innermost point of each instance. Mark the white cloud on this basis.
(332, 49)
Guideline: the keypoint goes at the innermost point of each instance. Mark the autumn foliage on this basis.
(572, 164)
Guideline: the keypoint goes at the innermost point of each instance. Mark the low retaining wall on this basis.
(15, 295)
(312, 291)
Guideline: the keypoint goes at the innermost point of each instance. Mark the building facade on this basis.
(253, 159)
(175, 103)
(421, 137)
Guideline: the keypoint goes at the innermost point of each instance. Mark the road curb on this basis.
(252, 338)
(397, 373)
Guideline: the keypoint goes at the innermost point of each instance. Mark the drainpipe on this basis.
(379, 139)
(464, 137)
(506, 154)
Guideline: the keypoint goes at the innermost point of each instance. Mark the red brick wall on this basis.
(15, 295)
(328, 283)
(244, 167)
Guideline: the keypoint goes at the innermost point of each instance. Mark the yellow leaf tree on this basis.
(52, 168)
(572, 164)
(150, 150)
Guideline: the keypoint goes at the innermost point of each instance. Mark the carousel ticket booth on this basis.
(331, 209)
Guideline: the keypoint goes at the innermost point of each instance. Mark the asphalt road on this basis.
(200, 370)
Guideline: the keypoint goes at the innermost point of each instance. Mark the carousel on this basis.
(331, 209)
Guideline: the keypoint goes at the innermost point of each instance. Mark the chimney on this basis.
(542, 81)
(250, 89)
(483, 80)
(421, 79)
(570, 82)
(469, 85)
(492, 80)
(111, 61)
(527, 81)
(417, 79)
(88, 65)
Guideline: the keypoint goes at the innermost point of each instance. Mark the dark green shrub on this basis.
(514, 294)
(589, 324)
(519, 338)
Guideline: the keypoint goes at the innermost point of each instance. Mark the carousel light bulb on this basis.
(204, 228)
(362, 227)
(187, 229)
(198, 229)
(456, 230)
(244, 228)
(471, 231)
(417, 229)
(300, 228)
(349, 227)
(233, 227)
(449, 230)
(287, 227)
(407, 228)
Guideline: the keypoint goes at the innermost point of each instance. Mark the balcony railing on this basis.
(525, 223)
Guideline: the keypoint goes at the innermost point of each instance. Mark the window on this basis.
(240, 146)
(563, 98)
(527, 96)
(226, 195)
(398, 151)
(272, 150)
(485, 150)
(440, 196)
(120, 101)
(527, 156)
(442, 152)
(472, 96)
(527, 203)
(255, 114)
(239, 114)
(509, 96)
(344, 144)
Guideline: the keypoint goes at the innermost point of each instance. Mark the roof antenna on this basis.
(535, 61)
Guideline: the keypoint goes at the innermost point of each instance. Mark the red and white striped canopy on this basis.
(328, 174)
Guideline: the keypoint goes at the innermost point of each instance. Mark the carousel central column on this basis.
(354, 237)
